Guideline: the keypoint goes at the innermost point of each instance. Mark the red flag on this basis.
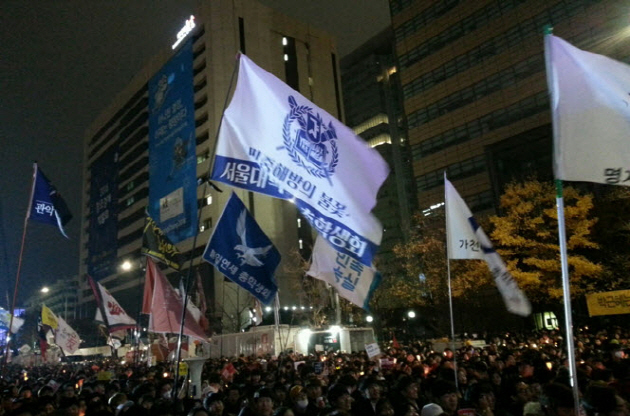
(149, 282)
(228, 371)
(166, 308)
(395, 343)
(203, 321)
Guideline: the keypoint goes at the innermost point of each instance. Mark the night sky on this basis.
(61, 64)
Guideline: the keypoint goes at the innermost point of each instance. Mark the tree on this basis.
(526, 236)
(612, 232)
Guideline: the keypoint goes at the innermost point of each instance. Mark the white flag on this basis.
(116, 318)
(276, 142)
(590, 104)
(66, 338)
(515, 300)
(353, 280)
(5, 320)
(461, 241)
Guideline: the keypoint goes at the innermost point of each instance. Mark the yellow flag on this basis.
(49, 318)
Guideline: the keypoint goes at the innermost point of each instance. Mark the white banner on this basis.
(515, 300)
(66, 338)
(591, 114)
(276, 142)
(460, 238)
(353, 280)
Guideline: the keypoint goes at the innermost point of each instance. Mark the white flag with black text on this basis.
(590, 103)
(459, 213)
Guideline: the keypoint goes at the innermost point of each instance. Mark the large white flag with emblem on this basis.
(274, 141)
(590, 102)
(352, 279)
(458, 213)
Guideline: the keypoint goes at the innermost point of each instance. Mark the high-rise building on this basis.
(474, 86)
(60, 297)
(118, 142)
(373, 109)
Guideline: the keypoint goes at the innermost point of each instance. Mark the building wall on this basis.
(218, 37)
(373, 109)
(474, 86)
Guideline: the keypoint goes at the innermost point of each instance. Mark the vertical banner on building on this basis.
(172, 144)
(103, 231)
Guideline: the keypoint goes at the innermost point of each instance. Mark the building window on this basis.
(205, 225)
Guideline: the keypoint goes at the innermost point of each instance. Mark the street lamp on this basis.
(369, 318)
(411, 314)
(45, 289)
(126, 265)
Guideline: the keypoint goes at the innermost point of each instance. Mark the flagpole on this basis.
(450, 292)
(192, 251)
(19, 269)
(566, 292)
(276, 319)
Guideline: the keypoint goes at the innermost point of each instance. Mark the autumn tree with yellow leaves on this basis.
(525, 233)
(526, 236)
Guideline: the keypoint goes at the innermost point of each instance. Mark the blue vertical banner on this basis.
(103, 231)
(172, 147)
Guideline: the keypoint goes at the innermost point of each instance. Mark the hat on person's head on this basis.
(295, 392)
(431, 409)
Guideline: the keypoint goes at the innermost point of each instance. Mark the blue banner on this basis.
(47, 205)
(240, 250)
(103, 228)
(172, 145)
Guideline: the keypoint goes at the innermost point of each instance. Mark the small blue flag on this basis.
(47, 206)
(240, 250)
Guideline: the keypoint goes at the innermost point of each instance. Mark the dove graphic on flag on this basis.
(248, 255)
(240, 250)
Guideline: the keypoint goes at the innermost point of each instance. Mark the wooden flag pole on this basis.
(19, 269)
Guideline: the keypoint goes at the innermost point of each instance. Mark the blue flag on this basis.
(240, 250)
(47, 206)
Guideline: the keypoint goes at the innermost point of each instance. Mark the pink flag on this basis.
(166, 308)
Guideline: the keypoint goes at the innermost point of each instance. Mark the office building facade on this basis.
(373, 109)
(297, 53)
(474, 86)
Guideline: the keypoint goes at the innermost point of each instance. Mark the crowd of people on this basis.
(510, 375)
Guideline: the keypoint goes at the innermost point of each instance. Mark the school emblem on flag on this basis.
(310, 143)
(240, 250)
